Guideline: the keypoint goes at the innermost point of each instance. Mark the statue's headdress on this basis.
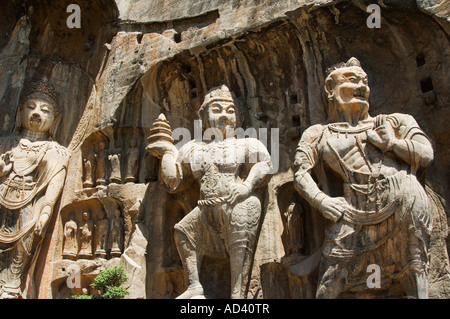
(351, 62)
(330, 83)
(41, 89)
(218, 93)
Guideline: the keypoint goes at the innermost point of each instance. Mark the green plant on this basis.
(83, 297)
(109, 284)
(115, 293)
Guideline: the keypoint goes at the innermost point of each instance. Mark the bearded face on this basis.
(38, 115)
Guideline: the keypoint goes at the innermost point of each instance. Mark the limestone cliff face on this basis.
(132, 60)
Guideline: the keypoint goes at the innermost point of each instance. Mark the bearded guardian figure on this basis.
(32, 174)
(377, 211)
(229, 169)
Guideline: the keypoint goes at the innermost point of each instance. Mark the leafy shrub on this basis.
(83, 297)
(109, 283)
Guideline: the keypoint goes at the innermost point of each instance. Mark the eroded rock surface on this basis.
(132, 60)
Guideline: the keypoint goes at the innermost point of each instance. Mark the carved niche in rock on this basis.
(106, 159)
(377, 211)
(90, 232)
(95, 161)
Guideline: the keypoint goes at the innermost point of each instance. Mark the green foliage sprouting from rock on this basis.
(109, 284)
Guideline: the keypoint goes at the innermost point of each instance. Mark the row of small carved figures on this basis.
(79, 240)
(95, 166)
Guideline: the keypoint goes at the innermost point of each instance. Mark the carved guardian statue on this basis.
(377, 211)
(224, 223)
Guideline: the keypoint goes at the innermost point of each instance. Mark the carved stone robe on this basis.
(388, 217)
(22, 198)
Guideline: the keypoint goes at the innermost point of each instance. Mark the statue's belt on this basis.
(211, 201)
(362, 217)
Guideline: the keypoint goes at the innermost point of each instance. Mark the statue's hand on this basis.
(160, 148)
(382, 136)
(238, 191)
(5, 164)
(43, 220)
(332, 208)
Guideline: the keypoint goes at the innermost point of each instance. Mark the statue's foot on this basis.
(193, 292)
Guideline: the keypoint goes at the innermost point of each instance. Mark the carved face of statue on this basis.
(350, 90)
(38, 115)
(222, 115)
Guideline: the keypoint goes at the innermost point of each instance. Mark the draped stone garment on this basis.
(387, 219)
(22, 197)
(215, 227)
(33, 168)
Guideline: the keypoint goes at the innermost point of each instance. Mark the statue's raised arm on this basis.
(229, 170)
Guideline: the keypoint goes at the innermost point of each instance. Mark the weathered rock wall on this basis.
(132, 60)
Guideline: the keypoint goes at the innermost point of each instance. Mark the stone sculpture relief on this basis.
(132, 161)
(116, 234)
(99, 237)
(377, 211)
(86, 231)
(101, 158)
(89, 169)
(32, 170)
(101, 234)
(295, 228)
(144, 60)
(70, 250)
(116, 176)
(106, 166)
(224, 224)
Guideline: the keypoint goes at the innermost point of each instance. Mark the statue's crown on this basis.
(220, 93)
(351, 62)
(42, 89)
